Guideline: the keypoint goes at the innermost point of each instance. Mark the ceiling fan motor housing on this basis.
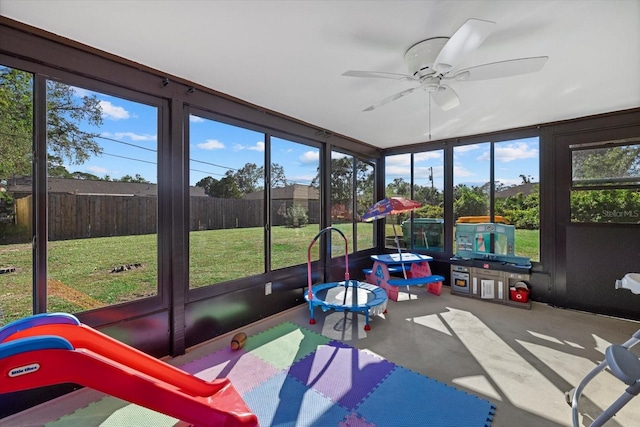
(421, 56)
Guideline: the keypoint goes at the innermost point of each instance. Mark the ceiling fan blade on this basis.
(494, 70)
(378, 75)
(445, 97)
(391, 98)
(464, 41)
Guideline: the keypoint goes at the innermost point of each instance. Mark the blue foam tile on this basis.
(418, 401)
(283, 401)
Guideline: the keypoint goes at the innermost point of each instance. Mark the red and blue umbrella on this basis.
(391, 206)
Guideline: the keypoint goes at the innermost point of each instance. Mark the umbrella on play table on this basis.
(391, 206)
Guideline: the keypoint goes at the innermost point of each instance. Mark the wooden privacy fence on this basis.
(83, 216)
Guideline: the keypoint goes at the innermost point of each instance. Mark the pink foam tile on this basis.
(245, 370)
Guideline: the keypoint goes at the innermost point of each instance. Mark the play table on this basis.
(416, 267)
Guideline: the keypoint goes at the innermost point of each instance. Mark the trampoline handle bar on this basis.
(346, 259)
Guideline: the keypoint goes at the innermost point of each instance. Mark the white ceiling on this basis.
(288, 56)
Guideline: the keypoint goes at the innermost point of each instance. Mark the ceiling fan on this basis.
(433, 62)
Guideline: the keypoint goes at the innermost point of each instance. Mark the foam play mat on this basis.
(291, 376)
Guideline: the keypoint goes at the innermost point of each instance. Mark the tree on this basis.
(609, 162)
(278, 177)
(56, 169)
(248, 178)
(206, 183)
(85, 176)
(469, 201)
(364, 186)
(137, 178)
(16, 122)
(427, 195)
(342, 185)
(615, 205)
(522, 211)
(65, 113)
(225, 188)
(399, 187)
(526, 179)
(342, 181)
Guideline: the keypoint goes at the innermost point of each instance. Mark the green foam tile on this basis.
(285, 344)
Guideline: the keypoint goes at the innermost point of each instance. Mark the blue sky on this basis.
(471, 164)
(129, 143)
(128, 137)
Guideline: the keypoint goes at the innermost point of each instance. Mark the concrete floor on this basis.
(521, 360)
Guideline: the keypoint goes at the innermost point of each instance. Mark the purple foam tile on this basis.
(244, 370)
(344, 374)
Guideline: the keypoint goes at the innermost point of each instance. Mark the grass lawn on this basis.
(80, 273)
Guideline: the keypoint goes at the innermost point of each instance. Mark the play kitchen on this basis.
(491, 281)
(460, 278)
(485, 266)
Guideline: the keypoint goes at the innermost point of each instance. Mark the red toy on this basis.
(56, 348)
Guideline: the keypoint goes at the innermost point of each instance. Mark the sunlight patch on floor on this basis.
(406, 296)
(573, 369)
(345, 326)
(574, 345)
(601, 344)
(432, 321)
(509, 371)
(545, 337)
(479, 384)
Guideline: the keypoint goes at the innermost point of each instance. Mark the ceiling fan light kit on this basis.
(421, 56)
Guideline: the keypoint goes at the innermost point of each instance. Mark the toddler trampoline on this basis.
(348, 295)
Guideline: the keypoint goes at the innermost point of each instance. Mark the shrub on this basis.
(296, 217)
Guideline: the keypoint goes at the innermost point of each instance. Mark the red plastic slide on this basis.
(48, 354)
(83, 336)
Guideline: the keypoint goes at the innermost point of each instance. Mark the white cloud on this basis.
(398, 160)
(195, 119)
(429, 155)
(310, 157)
(459, 171)
(113, 112)
(210, 144)
(515, 151)
(97, 170)
(509, 181)
(425, 171)
(467, 148)
(259, 146)
(397, 171)
(335, 155)
(130, 135)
